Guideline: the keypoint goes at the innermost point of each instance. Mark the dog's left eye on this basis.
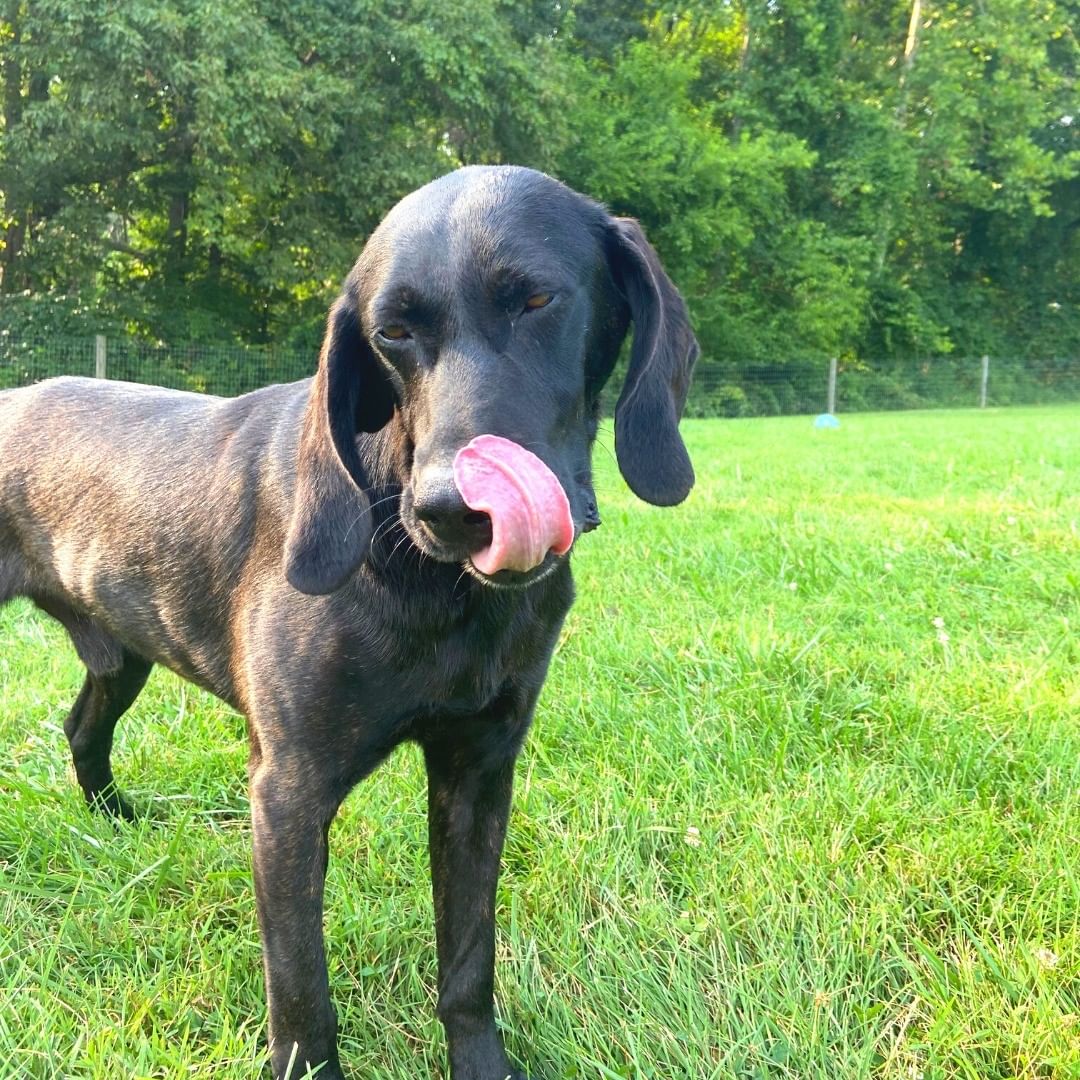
(539, 300)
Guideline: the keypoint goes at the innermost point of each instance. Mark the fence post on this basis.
(99, 356)
(985, 380)
(830, 401)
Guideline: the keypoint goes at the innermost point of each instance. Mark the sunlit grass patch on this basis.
(802, 799)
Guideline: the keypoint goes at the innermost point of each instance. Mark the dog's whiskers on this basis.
(367, 510)
(403, 538)
(384, 529)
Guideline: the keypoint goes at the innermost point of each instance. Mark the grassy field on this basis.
(802, 800)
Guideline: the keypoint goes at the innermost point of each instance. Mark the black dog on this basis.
(319, 556)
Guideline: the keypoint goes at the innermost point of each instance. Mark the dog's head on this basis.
(490, 303)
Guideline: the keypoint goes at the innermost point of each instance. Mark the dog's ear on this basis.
(649, 449)
(331, 528)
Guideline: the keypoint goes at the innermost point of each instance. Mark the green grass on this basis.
(802, 799)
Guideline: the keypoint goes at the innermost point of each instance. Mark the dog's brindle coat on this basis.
(302, 551)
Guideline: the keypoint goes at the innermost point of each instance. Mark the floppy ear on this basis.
(330, 528)
(649, 449)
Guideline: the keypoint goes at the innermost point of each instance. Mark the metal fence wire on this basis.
(227, 370)
(791, 385)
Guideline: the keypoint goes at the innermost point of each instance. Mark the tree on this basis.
(884, 181)
(196, 168)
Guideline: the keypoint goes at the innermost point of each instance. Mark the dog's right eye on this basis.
(393, 332)
(539, 300)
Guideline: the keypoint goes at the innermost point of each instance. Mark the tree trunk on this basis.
(181, 156)
(744, 66)
(911, 43)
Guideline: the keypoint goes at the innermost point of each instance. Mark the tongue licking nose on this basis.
(529, 511)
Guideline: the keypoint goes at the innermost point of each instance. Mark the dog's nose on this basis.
(439, 505)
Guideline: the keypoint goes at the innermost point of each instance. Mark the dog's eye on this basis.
(394, 332)
(538, 300)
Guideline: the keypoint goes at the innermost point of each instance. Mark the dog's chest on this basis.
(437, 653)
(464, 664)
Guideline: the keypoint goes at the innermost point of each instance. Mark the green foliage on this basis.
(822, 177)
(208, 170)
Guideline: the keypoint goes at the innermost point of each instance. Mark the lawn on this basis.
(802, 799)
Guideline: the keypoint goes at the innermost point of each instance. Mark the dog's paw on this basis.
(486, 1072)
(110, 802)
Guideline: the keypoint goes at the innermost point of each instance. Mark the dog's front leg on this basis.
(291, 817)
(470, 777)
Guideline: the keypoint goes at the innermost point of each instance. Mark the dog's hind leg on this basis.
(89, 728)
(114, 677)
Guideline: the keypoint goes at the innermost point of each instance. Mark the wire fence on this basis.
(227, 370)
(796, 385)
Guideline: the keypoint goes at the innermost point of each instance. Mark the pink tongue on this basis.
(529, 511)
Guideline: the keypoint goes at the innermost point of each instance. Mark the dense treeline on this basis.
(882, 180)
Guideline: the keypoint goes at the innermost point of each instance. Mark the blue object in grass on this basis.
(826, 421)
